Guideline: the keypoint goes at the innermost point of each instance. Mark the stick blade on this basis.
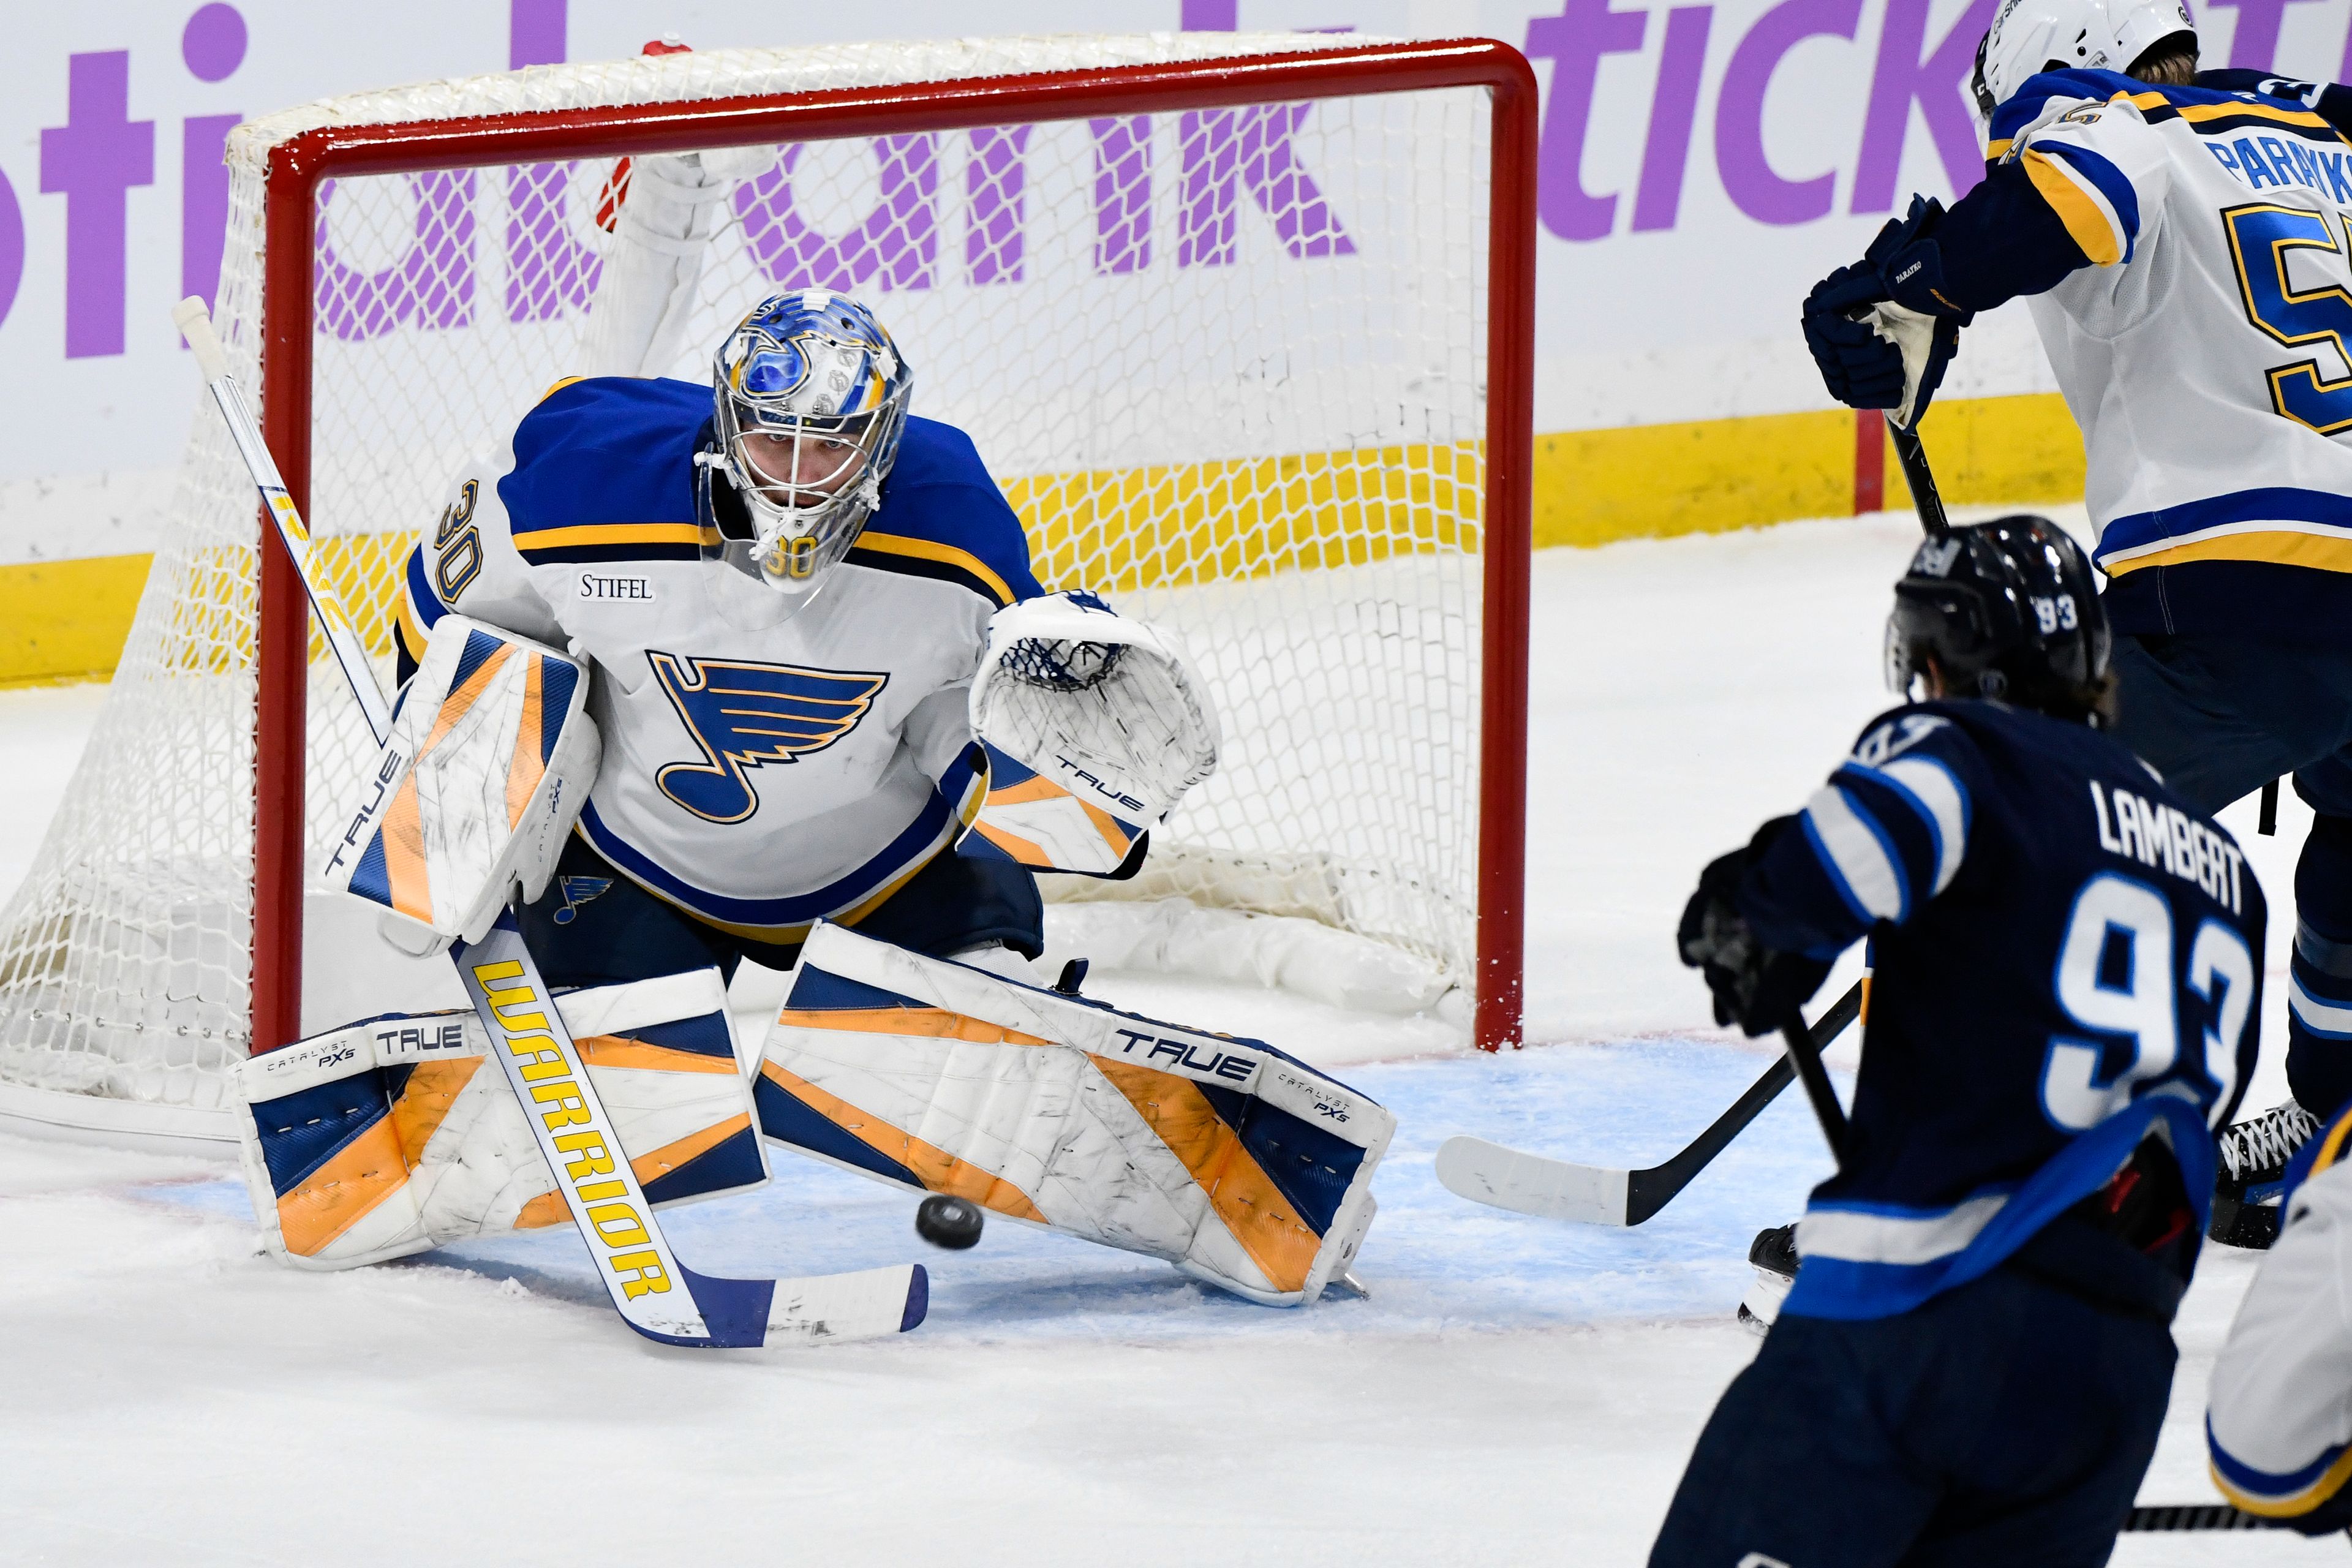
(1527, 1183)
(753, 1314)
(829, 1309)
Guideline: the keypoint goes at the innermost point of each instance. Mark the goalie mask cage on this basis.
(1243, 325)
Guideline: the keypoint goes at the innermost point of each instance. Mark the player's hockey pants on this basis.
(2220, 717)
(2007, 1421)
(595, 927)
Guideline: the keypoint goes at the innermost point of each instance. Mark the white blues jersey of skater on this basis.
(768, 761)
(2065, 958)
(2278, 1427)
(2204, 348)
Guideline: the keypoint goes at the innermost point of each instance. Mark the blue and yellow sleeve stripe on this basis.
(2091, 196)
(613, 542)
(928, 558)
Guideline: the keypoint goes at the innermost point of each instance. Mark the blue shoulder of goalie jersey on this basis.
(605, 471)
(944, 517)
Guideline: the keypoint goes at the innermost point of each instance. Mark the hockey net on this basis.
(1221, 312)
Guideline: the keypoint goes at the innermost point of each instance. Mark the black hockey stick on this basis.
(2198, 1516)
(1595, 1194)
(1807, 1057)
(1920, 477)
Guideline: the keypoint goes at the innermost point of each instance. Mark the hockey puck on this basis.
(952, 1223)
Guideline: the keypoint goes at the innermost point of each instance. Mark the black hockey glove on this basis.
(1904, 265)
(1754, 986)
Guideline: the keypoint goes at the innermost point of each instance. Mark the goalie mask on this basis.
(811, 401)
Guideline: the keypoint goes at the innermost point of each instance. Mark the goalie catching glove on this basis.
(1094, 727)
(1241, 1166)
(489, 763)
(388, 1137)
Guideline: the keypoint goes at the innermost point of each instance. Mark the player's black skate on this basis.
(2254, 1160)
(1774, 1253)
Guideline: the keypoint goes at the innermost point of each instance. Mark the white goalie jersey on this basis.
(767, 762)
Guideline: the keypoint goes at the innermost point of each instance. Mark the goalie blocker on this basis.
(1244, 1167)
(489, 763)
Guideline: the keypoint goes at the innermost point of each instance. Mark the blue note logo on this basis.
(576, 892)
(744, 716)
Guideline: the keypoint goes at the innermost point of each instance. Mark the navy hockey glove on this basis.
(1904, 264)
(1753, 985)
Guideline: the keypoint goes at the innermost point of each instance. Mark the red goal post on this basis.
(298, 166)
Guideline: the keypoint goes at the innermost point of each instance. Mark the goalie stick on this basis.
(1598, 1195)
(657, 1296)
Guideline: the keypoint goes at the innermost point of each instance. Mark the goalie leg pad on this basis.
(385, 1138)
(489, 762)
(1241, 1166)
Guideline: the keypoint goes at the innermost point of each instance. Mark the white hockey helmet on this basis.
(2029, 36)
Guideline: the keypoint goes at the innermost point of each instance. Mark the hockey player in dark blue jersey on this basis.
(1973, 1364)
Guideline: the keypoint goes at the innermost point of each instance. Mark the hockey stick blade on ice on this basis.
(1527, 1183)
(2147, 1517)
(655, 1294)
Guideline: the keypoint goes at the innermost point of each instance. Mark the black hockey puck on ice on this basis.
(952, 1223)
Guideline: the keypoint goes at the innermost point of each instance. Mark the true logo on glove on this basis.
(1135, 807)
(363, 822)
(745, 716)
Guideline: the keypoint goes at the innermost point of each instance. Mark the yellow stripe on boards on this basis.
(1997, 451)
(1194, 522)
(1172, 525)
(65, 620)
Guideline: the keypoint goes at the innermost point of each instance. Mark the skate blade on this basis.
(1760, 1308)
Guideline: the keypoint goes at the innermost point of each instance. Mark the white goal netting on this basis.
(1228, 364)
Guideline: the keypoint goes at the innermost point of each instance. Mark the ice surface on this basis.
(1514, 1391)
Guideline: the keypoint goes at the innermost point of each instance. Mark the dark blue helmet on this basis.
(2007, 609)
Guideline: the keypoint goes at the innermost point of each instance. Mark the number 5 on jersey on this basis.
(2263, 237)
